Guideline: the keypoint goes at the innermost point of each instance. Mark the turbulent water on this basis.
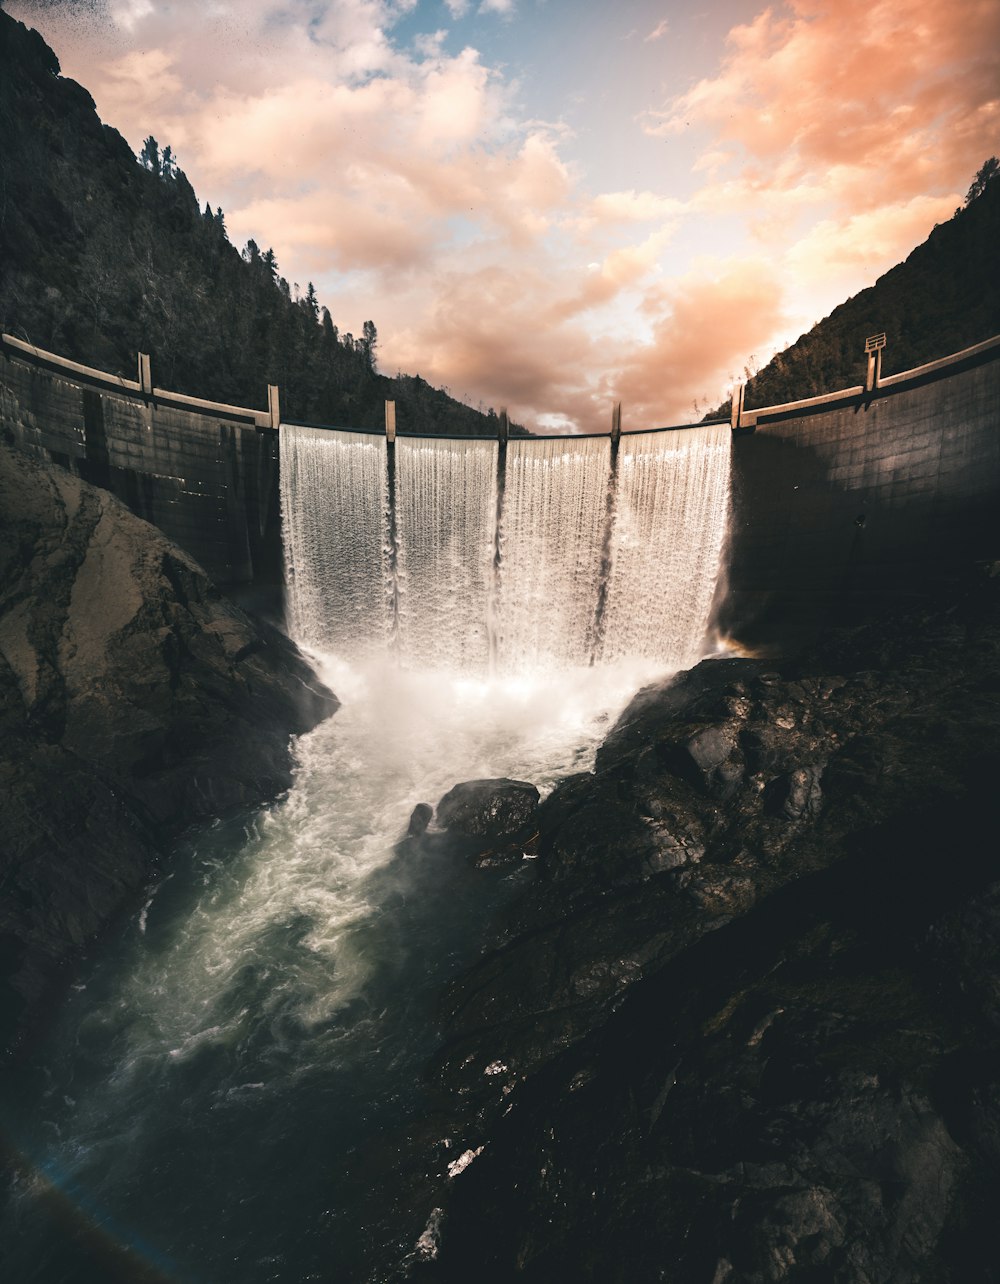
(225, 1092)
(225, 1096)
(476, 585)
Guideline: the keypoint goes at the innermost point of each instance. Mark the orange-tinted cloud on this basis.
(878, 100)
(825, 144)
(707, 325)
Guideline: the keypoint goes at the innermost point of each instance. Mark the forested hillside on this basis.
(103, 256)
(944, 297)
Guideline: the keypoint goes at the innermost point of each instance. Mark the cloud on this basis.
(633, 207)
(485, 330)
(865, 241)
(874, 99)
(706, 325)
(413, 184)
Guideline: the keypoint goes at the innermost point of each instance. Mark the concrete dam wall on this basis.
(852, 505)
(205, 473)
(842, 505)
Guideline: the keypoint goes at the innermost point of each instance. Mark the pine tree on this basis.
(369, 343)
(984, 175)
(149, 157)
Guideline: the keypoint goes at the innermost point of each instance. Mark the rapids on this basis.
(221, 1098)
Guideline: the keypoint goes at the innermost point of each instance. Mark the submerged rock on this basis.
(488, 808)
(134, 701)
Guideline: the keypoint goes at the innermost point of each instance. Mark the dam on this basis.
(840, 505)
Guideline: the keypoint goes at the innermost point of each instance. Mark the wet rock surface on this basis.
(744, 1025)
(493, 823)
(488, 808)
(134, 701)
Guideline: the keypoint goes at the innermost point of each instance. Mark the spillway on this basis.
(334, 502)
(574, 560)
(446, 501)
(670, 514)
(550, 550)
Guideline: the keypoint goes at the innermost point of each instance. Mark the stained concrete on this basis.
(861, 508)
(209, 482)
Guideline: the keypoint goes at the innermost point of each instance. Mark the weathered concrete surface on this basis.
(134, 700)
(862, 509)
(743, 1026)
(209, 483)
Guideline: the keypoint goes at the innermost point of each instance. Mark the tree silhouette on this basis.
(984, 175)
(149, 157)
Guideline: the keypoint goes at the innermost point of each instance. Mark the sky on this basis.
(552, 205)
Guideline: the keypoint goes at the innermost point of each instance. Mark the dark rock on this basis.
(134, 701)
(488, 808)
(420, 818)
(743, 1025)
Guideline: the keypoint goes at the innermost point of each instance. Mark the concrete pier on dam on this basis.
(843, 506)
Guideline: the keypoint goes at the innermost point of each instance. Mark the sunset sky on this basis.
(551, 205)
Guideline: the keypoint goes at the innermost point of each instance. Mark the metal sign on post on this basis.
(873, 347)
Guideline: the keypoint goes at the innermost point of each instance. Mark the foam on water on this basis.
(275, 998)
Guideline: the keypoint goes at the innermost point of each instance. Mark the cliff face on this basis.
(744, 1025)
(134, 701)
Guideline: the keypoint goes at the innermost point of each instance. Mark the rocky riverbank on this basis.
(744, 1023)
(134, 701)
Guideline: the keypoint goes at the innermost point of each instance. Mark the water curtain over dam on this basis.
(540, 553)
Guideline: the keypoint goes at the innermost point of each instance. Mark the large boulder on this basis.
(134, 701)
(488, 808)
(742, 1024)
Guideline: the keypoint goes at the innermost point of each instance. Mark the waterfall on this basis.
(460, 593)
(671, 509)
(445, 508)
(333, 512)
(550, 550)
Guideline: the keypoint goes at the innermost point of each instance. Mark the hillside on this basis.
(102, 256)
(944, 297)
